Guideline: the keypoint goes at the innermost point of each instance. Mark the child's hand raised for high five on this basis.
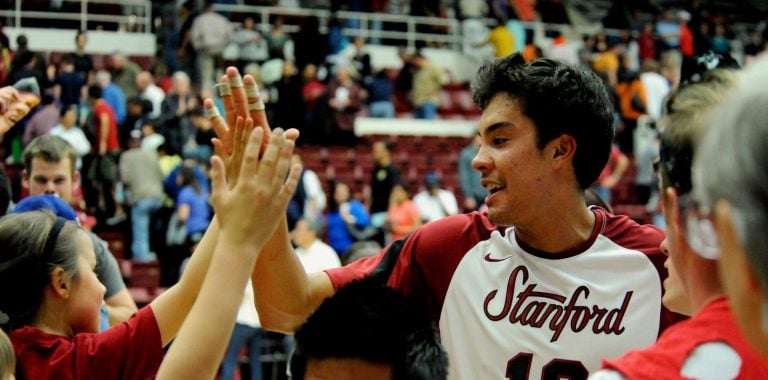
(249, 212)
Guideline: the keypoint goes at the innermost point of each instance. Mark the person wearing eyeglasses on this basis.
(709, 344)
(730, 183)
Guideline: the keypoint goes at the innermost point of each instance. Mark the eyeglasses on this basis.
(699, 228)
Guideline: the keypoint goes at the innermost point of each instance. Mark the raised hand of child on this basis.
(249, 212)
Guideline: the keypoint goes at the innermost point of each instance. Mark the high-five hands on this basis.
(241, 99)
(249, 211)
(13, 107)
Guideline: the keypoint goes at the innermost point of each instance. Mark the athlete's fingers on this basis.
(269, 159)
(225, 92)
(238, 93)
(256, 106)
(221, 129)
(218, 179)
(292, 134)
(281, 169)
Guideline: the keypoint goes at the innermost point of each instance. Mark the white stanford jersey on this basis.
(506, 311)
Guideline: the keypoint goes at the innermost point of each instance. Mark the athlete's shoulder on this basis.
(455, 229)
(627, 232)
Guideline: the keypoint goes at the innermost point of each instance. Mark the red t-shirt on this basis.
(102, 108)
(665, 359)
(130, 350)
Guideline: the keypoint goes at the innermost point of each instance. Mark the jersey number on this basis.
(519, 368)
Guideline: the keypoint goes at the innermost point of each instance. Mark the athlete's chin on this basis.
(498, 216)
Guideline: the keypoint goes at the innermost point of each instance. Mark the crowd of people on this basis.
(513, 280)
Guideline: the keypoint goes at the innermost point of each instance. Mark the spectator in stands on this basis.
(345, 98)
(427, 82)
(252, 46)
(68, 83)
(112, 94)
(149, 91)
(49, 169)
(668, 30)
(346, 217)
(124, 72)
(435, 202)
(103, 171)
(474, 192)
(656, 87)
(279, 43)
(311, 91)
(501, 39)
(210, 34)
(404, 81)
(381, 95)
(730, 190)
(289, 107)
(368, 330)
(361, 60)
(753, 46)
(175, 111)
(192, 206)
(647, 42)
(402, 215)
(20, 59)
(151, 140)
(143, 181)
(617, 165)
(68, 129)
(607, 62)
(647, 154)
(384, 176)
(686, 35)
(691, 348)
(311, 46)
(562, 49)
(138, 110)
(314, 254)
(337, 42)
(43, 120)
(633, 103)
(82, 61)
(309, 199)
(202, 148)
(719, 40)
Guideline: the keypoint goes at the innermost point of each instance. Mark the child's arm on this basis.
(260, 198)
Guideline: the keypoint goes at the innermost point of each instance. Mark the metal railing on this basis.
(137, 19)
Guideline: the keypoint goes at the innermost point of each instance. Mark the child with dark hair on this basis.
(368, 330)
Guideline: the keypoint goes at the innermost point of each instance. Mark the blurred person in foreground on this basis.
(731, 188)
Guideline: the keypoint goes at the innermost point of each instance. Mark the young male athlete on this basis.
(541, 285)
(709, 344)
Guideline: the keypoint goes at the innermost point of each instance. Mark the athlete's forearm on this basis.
(283, 294)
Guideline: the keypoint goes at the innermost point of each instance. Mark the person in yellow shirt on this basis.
(502, 40)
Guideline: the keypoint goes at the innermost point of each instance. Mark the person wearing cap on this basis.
(435, 202)
(143, 182)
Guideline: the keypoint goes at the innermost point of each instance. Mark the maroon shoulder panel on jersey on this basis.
(421, 265)
(645, 238)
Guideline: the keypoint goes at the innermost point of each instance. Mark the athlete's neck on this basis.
(562, 230)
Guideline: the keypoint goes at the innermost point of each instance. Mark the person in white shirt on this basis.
(656, 87)
(75, 136)
(434, 202)
(314, 254)
(148, 90)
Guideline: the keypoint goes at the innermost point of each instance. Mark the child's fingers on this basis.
(268, 162)
(251, 166)
(289, 187)
(218, 181)
(238, 93)
(282, 165)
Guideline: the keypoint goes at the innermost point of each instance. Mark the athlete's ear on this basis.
(671, 211)
(563, 147)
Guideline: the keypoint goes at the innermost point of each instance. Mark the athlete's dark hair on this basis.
(561, 99)
(368, 320)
